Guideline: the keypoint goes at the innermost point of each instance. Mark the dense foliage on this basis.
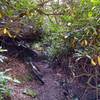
(68, 25)
(77, 27)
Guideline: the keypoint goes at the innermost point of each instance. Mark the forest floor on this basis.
(51, 90)
(58, 84)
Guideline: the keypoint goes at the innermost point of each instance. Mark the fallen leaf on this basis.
(93, 62)
(5, 31)
(98, 60)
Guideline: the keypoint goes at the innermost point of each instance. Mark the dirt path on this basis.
(51, 90)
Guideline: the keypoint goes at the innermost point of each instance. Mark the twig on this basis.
(43, 3)
(83, 74)
(84, 92)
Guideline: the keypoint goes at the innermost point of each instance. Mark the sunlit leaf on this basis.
(66, 37)
(90, 14)
(5, 30)
(31, 14)
(0, 15)
(95, 1)
(98, 60)
(9, 34)
(11, 20)
(85, 42)
(95, 33)
(93, 62)
(16, 81)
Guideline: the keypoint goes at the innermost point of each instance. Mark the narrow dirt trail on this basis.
(51, 90)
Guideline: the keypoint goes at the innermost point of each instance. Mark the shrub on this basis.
(4, 90)
(76, 26)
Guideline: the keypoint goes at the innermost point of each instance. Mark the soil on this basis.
(51, 90)
(59, 83)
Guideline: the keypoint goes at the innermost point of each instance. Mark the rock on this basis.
(30, 92)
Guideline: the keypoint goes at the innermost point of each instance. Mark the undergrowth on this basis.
(5, 91)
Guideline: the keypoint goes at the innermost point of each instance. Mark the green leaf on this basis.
(90, 14)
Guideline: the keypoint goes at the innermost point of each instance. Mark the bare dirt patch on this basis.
(51, 90)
